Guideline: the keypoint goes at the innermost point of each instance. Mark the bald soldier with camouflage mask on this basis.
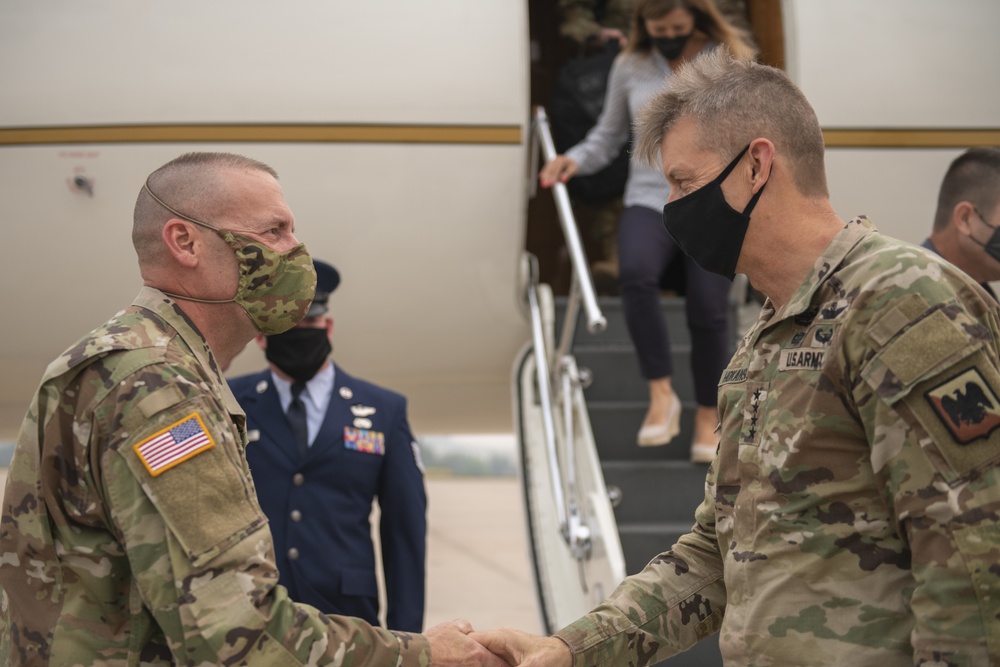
(851, 513)
(131, 532)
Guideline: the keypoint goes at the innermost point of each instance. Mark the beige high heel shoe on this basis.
(656, 435)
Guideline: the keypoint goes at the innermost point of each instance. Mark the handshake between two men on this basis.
(457, 644)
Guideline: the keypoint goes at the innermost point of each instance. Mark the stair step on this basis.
(616, 375)
(656, 492)
(615, 425)
(641, 542)
(617, 330)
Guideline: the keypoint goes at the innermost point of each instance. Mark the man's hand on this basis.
(521, 649)
(451, 647)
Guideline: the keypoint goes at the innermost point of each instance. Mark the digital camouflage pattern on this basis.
(851, 514)
(104, 564)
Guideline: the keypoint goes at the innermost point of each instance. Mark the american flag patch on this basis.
(174, 444)
(360, 440)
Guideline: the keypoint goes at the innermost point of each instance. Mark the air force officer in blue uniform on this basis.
(323, 445)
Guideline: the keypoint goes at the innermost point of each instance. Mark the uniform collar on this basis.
(846, 240)
(167, 309)
(318, 388)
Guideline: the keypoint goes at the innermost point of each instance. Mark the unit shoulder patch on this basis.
(966, 405)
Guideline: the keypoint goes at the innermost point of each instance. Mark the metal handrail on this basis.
(596, 322)
(545, 395)
(553, 377)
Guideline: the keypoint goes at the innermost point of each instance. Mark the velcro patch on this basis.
(175, 444)
(966, 405)
(367, 442)
(160, 400)
(894, 320)
(924, 346)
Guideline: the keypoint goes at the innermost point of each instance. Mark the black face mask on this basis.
(992, 245)
(707, 228)
(671, 47)
(299, 352)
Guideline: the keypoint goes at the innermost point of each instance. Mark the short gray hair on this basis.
(194, 183)
(733, 102)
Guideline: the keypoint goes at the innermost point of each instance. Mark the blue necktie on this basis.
(297, 419)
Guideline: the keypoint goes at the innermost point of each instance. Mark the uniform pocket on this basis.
(206, 500)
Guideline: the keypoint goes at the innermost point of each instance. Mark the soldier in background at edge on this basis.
(968, 215)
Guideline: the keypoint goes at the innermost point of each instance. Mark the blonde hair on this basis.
(707, 19)
(733, 102)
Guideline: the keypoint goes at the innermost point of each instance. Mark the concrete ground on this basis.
(477, 554)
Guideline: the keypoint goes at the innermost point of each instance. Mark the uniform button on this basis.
(298, 479)
(293, 554)
(296, 516)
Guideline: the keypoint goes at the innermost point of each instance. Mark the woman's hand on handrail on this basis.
(557, 170)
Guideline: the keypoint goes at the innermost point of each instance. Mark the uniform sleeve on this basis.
(179, 497)
(677, 600)
(403, 505)
(929, 397)
(606, 139)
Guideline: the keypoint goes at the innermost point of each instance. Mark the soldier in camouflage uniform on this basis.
(599, 20)
(850, 515)
(968, 214)
(131, 533)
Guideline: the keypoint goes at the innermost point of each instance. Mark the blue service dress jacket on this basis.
(319, 506)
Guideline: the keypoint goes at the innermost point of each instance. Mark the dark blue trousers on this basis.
(644, 251)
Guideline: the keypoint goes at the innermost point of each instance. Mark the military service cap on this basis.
(327, 279)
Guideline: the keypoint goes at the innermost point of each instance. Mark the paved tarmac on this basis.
(477, 553)
(478, 566)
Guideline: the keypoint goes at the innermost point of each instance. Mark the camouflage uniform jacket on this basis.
(850, 516)
(580, 21)
(112, 553)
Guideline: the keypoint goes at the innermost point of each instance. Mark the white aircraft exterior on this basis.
(401, 131)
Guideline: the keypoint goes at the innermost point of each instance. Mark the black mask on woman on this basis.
(707, 228)
(300, 352)
(671, 47)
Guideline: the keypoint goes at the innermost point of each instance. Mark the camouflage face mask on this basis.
(275, 289)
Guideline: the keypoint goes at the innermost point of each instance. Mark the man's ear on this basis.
(329, 326)
(761, 153)
(961, 217)
(181, 241)
(261, 341)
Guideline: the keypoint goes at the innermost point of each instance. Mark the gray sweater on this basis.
(634, 79)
